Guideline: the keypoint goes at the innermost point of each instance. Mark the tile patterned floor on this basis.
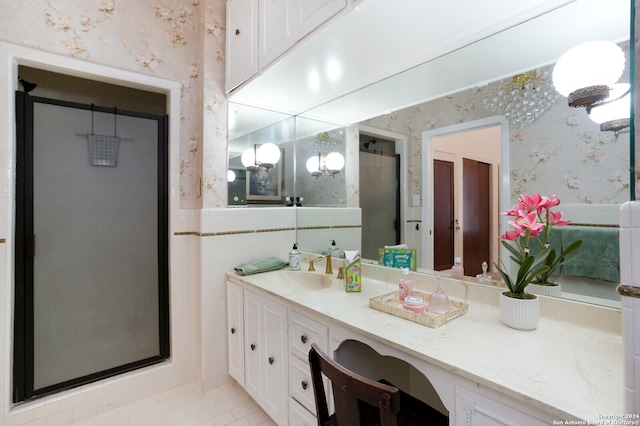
(227, 405)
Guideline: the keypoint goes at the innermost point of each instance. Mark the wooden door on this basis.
(442, 215)
(476, 225)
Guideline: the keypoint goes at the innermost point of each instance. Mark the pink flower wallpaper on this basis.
(174, 39)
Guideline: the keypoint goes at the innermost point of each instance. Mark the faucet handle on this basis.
(340, 273)
(311, 268)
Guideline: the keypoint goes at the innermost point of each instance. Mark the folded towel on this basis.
(599, 256)
(260, 265)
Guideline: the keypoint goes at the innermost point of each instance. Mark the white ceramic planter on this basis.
(521, 314)
(547, 290)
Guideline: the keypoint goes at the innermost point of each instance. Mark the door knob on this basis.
(253, 347)
(303, 338)
(271, 360)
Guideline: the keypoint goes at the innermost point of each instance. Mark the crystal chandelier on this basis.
(524, 98)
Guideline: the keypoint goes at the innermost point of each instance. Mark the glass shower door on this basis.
(99, 284)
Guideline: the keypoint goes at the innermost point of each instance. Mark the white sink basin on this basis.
(304, 280)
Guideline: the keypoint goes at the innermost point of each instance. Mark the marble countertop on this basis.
(571, 366)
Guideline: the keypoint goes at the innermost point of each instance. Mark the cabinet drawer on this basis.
(300, 385)
(303, 332)
(299, 416)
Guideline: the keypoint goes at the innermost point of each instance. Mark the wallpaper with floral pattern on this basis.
(180, 40)
(563, 152)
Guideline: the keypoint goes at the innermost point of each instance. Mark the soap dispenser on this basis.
(294, 258)
(457, 271)
(334, 251)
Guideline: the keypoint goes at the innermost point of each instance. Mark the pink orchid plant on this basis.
(534, 219)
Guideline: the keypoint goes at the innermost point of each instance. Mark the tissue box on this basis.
(353, 274)
(397, 258)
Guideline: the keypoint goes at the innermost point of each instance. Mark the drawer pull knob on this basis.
(271, 360)
(237, 32)
(304, 385)
(233, 330)
(303, 338)
(253, 346)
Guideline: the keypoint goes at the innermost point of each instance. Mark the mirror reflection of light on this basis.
(248, 158)
(313, 165)
(268, 154)
(231, 176)
(334, 69)
(588, 64)
(335, 162)
(314, 80)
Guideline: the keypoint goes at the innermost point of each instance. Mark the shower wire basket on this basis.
(103, 150)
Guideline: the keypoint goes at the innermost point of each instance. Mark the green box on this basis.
(397, 258)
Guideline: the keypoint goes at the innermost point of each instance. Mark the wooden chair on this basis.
(362, 401)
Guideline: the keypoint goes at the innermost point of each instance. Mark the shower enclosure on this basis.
(91, 244)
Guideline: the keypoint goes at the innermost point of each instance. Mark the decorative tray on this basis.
(390, 303)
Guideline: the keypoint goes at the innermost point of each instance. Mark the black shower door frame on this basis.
(24, 252)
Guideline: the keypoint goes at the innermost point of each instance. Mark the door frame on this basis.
(427, 177)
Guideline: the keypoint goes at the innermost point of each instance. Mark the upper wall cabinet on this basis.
(275, 27)
(242, 42)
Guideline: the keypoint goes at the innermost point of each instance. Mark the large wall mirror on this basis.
(562, 152)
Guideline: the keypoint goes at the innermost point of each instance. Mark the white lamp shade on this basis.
(616, 109)
(588, 64)
(313, 164)
(335, 161)
(268, 153)
(248, 158)
(231, 176)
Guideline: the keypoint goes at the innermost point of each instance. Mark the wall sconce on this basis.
(614, 115)
(231, 176)
(587, 75)
(330, 163)
(261, 155)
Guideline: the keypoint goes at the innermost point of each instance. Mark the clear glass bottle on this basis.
(405, 286)
(457, 271)
(295, 258)
(334, 251)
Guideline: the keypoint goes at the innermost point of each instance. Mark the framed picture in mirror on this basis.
(264, 185)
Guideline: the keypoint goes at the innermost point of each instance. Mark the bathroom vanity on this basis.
(473, 369)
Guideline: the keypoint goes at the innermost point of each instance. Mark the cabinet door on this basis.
(492, 409)
(275, 359)
(310, 14)
(235, 333)
(253, 366)
(242, 42)
(275, 29)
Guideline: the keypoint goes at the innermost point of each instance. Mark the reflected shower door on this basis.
(380, 201)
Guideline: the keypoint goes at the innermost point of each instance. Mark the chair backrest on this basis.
(355, 397)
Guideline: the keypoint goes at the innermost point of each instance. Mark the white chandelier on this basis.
(524, 98)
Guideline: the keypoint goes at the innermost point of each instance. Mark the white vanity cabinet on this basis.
(235, 332)
(266, 356)
(303, 332)
(260, 31)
